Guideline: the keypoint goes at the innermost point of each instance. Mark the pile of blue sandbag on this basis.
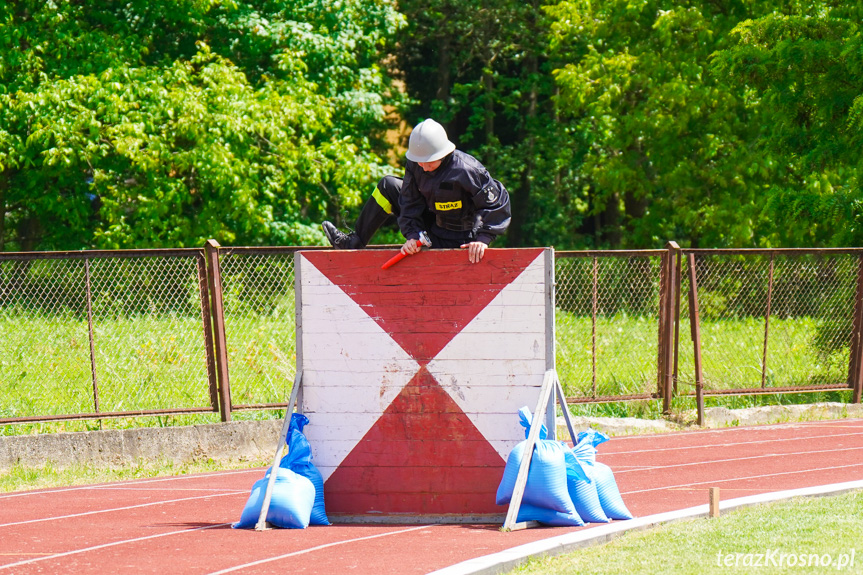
(565, 487)
(297, 499)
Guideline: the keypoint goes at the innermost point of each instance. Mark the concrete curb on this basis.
(256, 440)
(231, 441)
(504, 561)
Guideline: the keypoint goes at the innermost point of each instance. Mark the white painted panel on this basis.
(489, 372)
(343, 373)
(354, 369)
(465, 380)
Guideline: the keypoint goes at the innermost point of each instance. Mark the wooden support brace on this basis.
(262, 525)
(551, 388)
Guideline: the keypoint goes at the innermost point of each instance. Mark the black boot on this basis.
(341, 240)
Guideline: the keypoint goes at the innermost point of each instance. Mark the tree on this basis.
(155, 124)
(482, 68)
(666, 141)
(804, 65)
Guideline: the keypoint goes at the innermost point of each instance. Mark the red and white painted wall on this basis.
(413, 376)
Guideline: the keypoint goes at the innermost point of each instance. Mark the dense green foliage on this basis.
(154, 124)
(613, 124)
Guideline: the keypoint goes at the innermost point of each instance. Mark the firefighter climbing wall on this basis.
(413, 376)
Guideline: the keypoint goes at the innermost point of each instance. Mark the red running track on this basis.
(181, 525)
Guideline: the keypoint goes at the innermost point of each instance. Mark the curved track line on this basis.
(318, 548)
(740, 478)
(132, 482)
(734, 444)
(709, 461)
(29, 521)
(505, 561)
(104, 545)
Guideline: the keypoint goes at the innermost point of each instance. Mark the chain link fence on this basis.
(606, 322)
(260, 322)
(140, 332)
(90, 333)
(769, 320)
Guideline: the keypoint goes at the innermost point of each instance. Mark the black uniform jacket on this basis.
(467, 203)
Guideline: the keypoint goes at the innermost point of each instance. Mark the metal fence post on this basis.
(695, 328)
(667, 324)
(207, 321)
(678, 272)
(91, 335)
(660, 344)
(855, 363)
(767, 322)
(214, 275)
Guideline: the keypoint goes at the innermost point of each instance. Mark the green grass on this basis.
(802, 527)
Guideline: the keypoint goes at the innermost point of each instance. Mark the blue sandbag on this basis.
(601, 476)
(591, 437)
(546, 477)
(290, 502)
(527, 512)
(525, 417)
(299, 460)
(609, 494)
(581, 485)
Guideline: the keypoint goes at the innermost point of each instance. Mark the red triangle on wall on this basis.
(423, 456)
(423, 301)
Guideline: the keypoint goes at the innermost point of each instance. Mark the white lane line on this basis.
(84, 514)
(733, 444)
(852, 423)
(49, 491)
(710, 461)
(714, 481)
(318, 548)
(105, 545)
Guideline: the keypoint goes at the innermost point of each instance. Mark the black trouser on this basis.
(381, 208)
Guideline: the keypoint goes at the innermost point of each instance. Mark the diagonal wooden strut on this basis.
(550, 383)
(261, 525)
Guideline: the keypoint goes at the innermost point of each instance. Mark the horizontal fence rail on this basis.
(101, 334)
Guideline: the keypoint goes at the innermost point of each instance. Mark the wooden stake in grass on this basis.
(714, 502)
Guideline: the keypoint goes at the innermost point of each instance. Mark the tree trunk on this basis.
(488, 93)
(444, 70)
(521, 200)
(610, 218)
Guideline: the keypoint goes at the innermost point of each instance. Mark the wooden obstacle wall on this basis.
(413, 376)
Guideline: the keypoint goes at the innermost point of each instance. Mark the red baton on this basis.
(424, 240)
(393, 260)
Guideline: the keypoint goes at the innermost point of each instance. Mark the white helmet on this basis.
(428, 142)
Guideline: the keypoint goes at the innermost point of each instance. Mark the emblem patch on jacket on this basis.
(490, 193)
